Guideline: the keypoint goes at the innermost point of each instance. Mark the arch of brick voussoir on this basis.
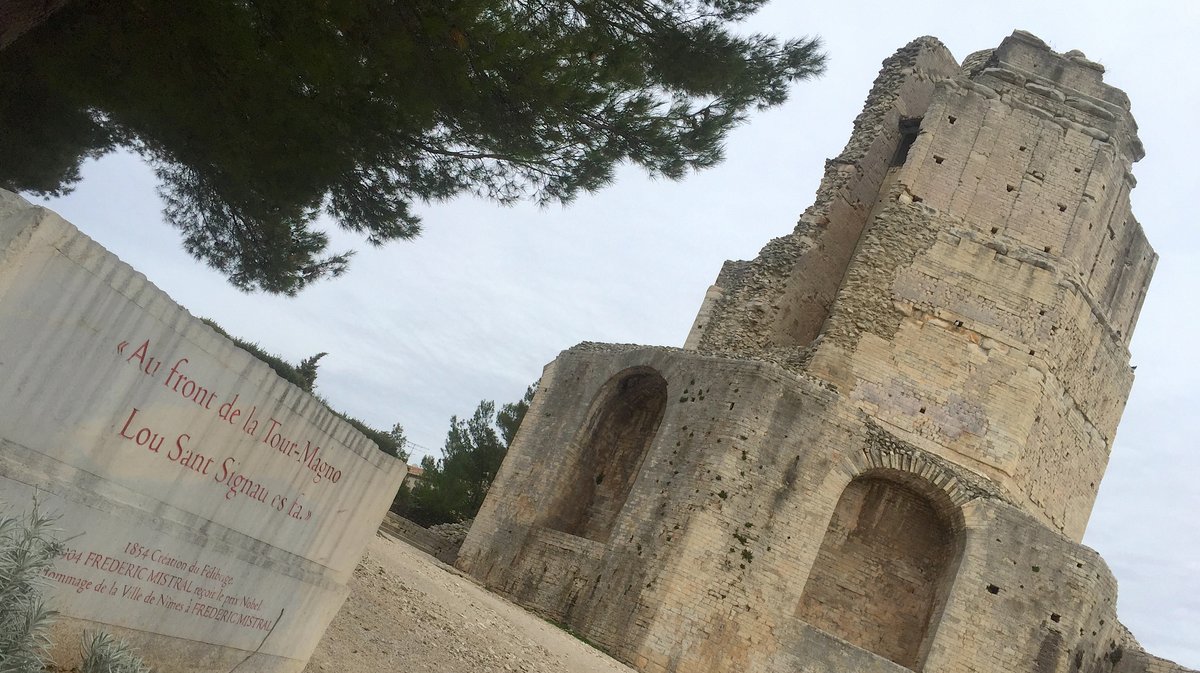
(944, 489)
(949, 488)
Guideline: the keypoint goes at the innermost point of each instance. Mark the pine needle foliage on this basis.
(453, 488)
(261, 116)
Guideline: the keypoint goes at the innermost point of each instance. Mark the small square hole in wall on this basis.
(1078, 170)
(1022, 148)
(1009, 188)
(1046, 249)
(937, 159)
(953, 119)
(993, 589)
(1062, 208)
(995, 229)
(1055, 617)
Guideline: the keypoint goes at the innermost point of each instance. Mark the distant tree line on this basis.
(453, 487)
(304, 376)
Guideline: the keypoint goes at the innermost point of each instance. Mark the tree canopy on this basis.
(453, 487)
(258, 116)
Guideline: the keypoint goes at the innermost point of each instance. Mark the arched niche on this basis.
(885, 566)
(621, 424)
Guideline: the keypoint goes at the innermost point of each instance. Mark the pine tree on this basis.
(454, 487)
(510, 416)
(259, 116)
(307, 371)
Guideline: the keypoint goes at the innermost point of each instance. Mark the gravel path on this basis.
(408, 612)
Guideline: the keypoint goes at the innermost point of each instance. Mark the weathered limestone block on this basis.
(211, 507)
(980, 350)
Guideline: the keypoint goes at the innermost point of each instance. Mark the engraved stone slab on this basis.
(208, 501)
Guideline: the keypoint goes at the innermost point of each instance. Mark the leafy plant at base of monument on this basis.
(260, 116)
(27, 549)
(104, 654)
(453, 488)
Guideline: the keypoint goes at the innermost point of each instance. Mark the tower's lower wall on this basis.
(711, 556)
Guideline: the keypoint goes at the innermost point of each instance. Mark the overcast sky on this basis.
(474, 308)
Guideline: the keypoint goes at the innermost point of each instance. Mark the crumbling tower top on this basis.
(970, 273)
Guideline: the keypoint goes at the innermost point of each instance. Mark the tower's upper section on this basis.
(970, 273)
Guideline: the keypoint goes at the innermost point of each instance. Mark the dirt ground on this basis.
(409, 613)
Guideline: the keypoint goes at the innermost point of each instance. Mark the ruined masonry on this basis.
(881, 444)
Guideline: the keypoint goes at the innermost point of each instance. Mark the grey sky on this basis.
(475, 307)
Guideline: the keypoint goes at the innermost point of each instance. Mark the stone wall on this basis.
(720, 539)
(774, 306)
(881, 444)
(211, 508)
(971, 250)
(437, 546)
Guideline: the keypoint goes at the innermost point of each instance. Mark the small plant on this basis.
(27, 548)
(104, 654)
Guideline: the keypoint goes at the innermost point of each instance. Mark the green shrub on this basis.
(104, 654)
(28, 547)
(282, 367)
(304, 377)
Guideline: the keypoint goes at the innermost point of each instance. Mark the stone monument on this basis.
(881, 443)
(213, 511)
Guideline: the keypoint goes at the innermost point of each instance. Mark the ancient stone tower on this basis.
(880, 446)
